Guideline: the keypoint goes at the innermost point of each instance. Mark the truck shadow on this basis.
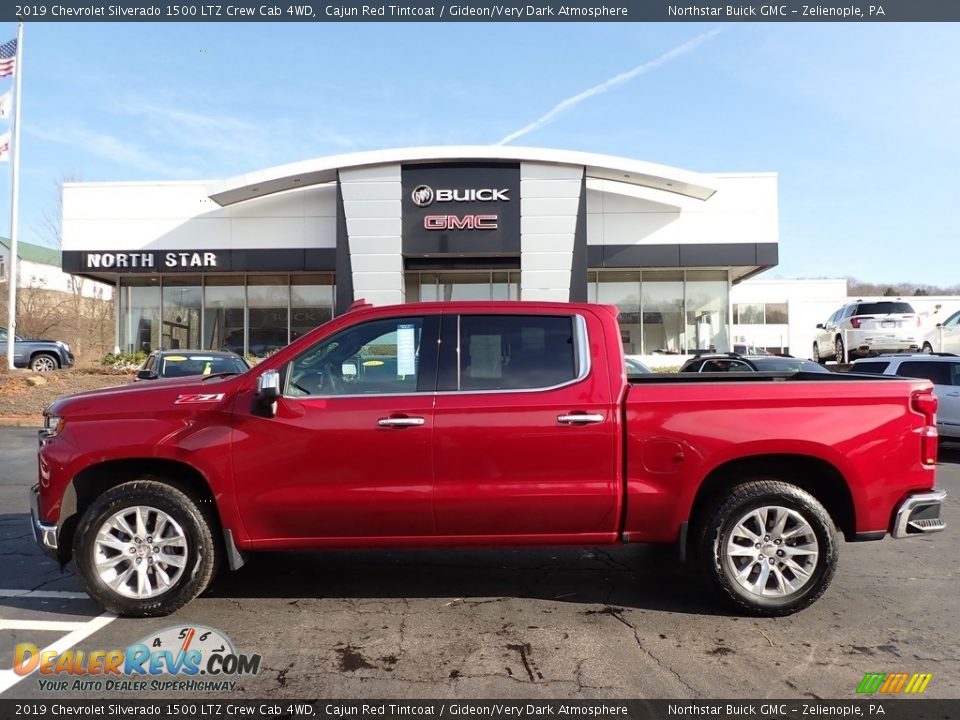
(639, 577)
(949, 452)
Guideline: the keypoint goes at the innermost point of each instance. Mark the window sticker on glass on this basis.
(406, 350)
(485, 358)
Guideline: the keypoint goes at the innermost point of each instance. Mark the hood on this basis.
(138, 398)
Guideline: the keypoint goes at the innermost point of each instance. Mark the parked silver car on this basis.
(943, 370)
(864, 328)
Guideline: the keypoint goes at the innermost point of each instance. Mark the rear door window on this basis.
(936, 372)
(516, 352)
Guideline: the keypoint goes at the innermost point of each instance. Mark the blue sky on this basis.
(861, 121)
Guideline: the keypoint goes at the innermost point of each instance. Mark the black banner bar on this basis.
(199, 708)
(484, 11)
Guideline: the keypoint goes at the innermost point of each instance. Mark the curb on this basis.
(27, 421)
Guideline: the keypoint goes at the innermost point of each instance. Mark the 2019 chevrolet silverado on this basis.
(481, 424)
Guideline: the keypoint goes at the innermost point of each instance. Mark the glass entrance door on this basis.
(462, 285)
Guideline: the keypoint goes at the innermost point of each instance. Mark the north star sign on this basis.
(150, 260)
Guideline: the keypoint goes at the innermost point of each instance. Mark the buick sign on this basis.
(424, 195)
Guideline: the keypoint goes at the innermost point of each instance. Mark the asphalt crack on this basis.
(617, 614)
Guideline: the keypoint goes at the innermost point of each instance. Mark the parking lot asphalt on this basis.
(548, 623)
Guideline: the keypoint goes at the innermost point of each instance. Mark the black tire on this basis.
(721, 521)
(44, 362)
(200, 555)
(816, 355)
(838, 350)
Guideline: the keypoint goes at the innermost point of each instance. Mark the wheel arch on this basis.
(815, 475)
(91, 482)
(48, 353)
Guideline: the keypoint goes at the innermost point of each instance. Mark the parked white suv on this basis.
(945, 337)
(867, 328)
(942, 369)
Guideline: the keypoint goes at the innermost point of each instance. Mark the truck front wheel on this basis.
(144, 549)
(770, 547)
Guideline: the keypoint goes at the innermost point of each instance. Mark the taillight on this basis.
(925, 403)
(855, 321)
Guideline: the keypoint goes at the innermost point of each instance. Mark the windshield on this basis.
(779, 364)
(184, 365)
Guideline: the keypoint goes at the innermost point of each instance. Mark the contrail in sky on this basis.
(570, 102)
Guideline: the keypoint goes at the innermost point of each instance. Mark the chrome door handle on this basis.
(581, 418)
(400, 422)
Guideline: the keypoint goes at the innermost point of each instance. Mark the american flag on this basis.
(8, 58)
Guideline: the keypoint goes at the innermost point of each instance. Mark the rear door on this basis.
(526, 429)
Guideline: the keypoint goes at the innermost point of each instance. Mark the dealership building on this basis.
(254, 261)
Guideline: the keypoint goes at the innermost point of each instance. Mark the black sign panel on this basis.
(109, 262)
(461, 210)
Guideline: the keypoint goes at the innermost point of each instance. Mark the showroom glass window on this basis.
(223, 313)
(707, 303)
(182, 307)
(661, 296)
(139, 314)
(268, 303)
(311, 303)
(623, 290)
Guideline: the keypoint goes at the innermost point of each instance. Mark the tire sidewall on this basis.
(179, 507)
(812, 513)
(44, 356)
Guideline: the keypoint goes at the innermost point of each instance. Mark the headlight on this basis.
(52, 425)
(64, 345)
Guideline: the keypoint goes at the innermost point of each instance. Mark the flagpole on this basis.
(14, 201)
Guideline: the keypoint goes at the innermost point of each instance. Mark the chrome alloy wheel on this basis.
(140, 552)
(772, 551)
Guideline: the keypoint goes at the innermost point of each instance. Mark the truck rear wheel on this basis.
(770, 547)
(144, 549)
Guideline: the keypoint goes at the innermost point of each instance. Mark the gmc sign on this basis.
(465, 222)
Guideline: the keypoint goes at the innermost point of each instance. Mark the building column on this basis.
(550, 205)
(372, 213)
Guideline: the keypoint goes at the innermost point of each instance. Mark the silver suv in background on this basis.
(945, 337)
(942, 369)
(864, 328)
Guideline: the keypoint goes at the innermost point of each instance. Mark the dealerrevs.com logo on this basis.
(194, 658)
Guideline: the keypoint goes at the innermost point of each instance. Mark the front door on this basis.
(349, 452)
(525, 429)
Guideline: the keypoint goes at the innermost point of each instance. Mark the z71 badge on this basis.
(198, 398)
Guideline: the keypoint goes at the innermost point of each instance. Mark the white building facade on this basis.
(40, 267)
(252, 262)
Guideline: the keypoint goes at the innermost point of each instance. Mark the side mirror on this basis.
(268, 390)
(939, 325)
(820, 326)
(146, 375)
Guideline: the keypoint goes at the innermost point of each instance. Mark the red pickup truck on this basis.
(480, 424)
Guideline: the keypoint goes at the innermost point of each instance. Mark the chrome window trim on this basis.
(582, 362)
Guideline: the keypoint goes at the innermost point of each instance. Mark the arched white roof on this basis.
(324, 169)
